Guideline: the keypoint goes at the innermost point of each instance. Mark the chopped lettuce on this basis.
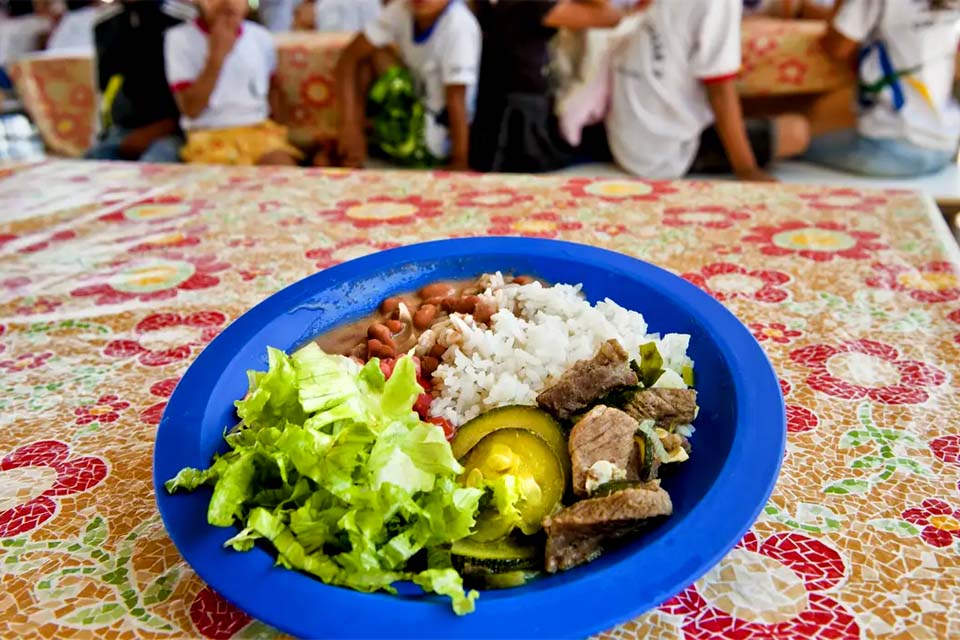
(332, 467)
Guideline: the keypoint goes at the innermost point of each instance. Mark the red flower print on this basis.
(317, 91)
(164, 338)
(775, 332)
(81, 96)
(619, 189)
(174, 239)
(734, 601)
(346, 250)
(611, 229)
(154, 278)
(105, 409)
(493, 198)
(59, 236)
(216, 618)
(26, 361)
(955, 317)
(799, 418)
(298, 56)
(931, 282)
(710, 216)
(162, 389)
(37, 306)
(947, 448)
(35, 475)
(383, 210)
(15, 282)
(725, 281)
(842, 200)
(867, 369)
(538, 225)
(3, 330)
(760, 45)
(940, 522)
(819, 241)
(156, 210)
(792, 71)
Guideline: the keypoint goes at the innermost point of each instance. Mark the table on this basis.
(58, 91)
(114, 276)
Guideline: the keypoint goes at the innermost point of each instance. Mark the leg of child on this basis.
(791, 135)
(278, 159)
(883, 158)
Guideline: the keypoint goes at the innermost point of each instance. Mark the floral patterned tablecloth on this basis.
(114, 276)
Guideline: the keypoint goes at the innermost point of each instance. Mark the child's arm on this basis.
(729, 123)
(194, 98)
(583, 14)
(351, 144)
(839, 47)
(459, 127)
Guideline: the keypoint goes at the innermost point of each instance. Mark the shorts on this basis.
(237, 145)
(519, 134)
(712, 157)
(850, 151)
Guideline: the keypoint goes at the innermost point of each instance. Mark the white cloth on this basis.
(917, 47)
(20, 36)
(775, 7)
(74, 32)
(345, 15)
(659, 106)
(241, 96)
(448, 54)
(277, 15)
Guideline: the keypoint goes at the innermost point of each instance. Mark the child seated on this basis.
(789, 9)
(672, 79)
(909, 121)
(220, 68)
(138, 111)
(515, 128)
(439, 42)
(336, 15)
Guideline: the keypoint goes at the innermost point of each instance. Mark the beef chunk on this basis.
(587, 380)
(576, 534)
(603, 434)
(668, 407)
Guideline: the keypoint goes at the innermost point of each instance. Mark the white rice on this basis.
(536, 335)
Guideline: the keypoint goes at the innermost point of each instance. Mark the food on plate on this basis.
(471, 434)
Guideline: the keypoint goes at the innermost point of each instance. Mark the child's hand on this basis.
(755, 174)
(223, 35)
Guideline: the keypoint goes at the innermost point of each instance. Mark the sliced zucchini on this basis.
(613, 486)
(507, 580)
(497, 556)
(513, 417)
(531, 460)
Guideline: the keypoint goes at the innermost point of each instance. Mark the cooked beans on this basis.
(380, 332)
(484, 311)
(521, 280)
(437, 290)
(377, 349)
(437, 350)
(424, 316)
(389, 306)
(395, 326)
(428, 365)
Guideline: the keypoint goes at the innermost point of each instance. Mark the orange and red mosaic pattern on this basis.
(114, 276)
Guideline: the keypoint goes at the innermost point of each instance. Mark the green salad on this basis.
(331, 466)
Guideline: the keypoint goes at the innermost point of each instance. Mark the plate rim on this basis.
(396, 616)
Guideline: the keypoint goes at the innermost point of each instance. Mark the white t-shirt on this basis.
(448, 54)
(345, 15)
(659, 106)
(775, 7)
(905, 40)
(241, 96)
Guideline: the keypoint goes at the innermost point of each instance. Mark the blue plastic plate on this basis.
(737, 449)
